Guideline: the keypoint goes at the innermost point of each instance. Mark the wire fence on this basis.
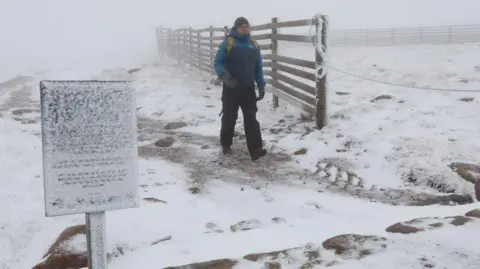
(453, 34)
(197, 47)
(292, 79)
(398, 85)
(326, 64)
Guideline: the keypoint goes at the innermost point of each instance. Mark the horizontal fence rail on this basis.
(291, 79)
(407, 36)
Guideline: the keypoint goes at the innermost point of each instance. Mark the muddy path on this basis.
(201, 156)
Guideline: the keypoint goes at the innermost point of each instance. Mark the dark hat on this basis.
(240, 21)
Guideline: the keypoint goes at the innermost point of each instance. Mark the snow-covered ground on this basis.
(395, 151)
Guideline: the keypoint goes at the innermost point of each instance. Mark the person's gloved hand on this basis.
(228, 81)
(261, 92)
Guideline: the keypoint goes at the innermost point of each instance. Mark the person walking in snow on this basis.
(238, 63)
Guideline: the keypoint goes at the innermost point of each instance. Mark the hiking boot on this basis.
(227, 150)
(259, 154)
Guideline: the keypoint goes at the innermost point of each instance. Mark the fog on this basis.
(61, 29)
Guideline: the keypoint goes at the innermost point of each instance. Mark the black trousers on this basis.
(246, 99)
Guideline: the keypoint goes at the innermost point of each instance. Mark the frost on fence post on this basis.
(90, 155)
(274, 41)
(212, 50)
(190, 46)
(199, 53)
(170, 43)
(178, 47)
(321, 45)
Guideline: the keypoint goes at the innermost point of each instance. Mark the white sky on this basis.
(65, 27)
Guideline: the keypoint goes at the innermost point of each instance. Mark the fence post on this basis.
(190, 47)
(183, 33)
(172, 51)
(167, 42)
(178, 46)
(170, 43)
(321, 82)
(187, 44)
(274, 52)
(185, 47)
(199, 53)
(212, 51)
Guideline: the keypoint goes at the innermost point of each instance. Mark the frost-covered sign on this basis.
(90, 155)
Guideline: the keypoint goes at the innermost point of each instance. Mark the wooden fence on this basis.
(405, 36)
(197, 47)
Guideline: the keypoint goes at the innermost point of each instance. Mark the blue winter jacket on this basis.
(243, 63)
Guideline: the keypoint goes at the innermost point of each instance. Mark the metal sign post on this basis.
(90, 156)
(96, 240)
